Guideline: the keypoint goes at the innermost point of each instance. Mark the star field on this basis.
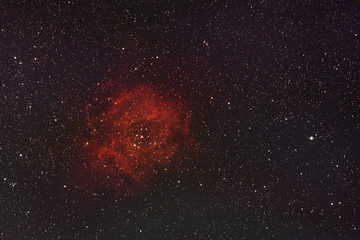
(271, 90)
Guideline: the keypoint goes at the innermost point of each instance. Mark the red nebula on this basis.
(139, 133)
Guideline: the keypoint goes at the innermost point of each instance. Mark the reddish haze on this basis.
(140, 133)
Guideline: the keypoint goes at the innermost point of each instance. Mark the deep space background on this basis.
(273, 87)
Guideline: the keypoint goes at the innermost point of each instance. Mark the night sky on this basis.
(196, 119)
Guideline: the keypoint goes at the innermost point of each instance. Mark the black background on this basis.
(274, 92)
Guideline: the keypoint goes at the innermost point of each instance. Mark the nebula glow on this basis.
(140, 132)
